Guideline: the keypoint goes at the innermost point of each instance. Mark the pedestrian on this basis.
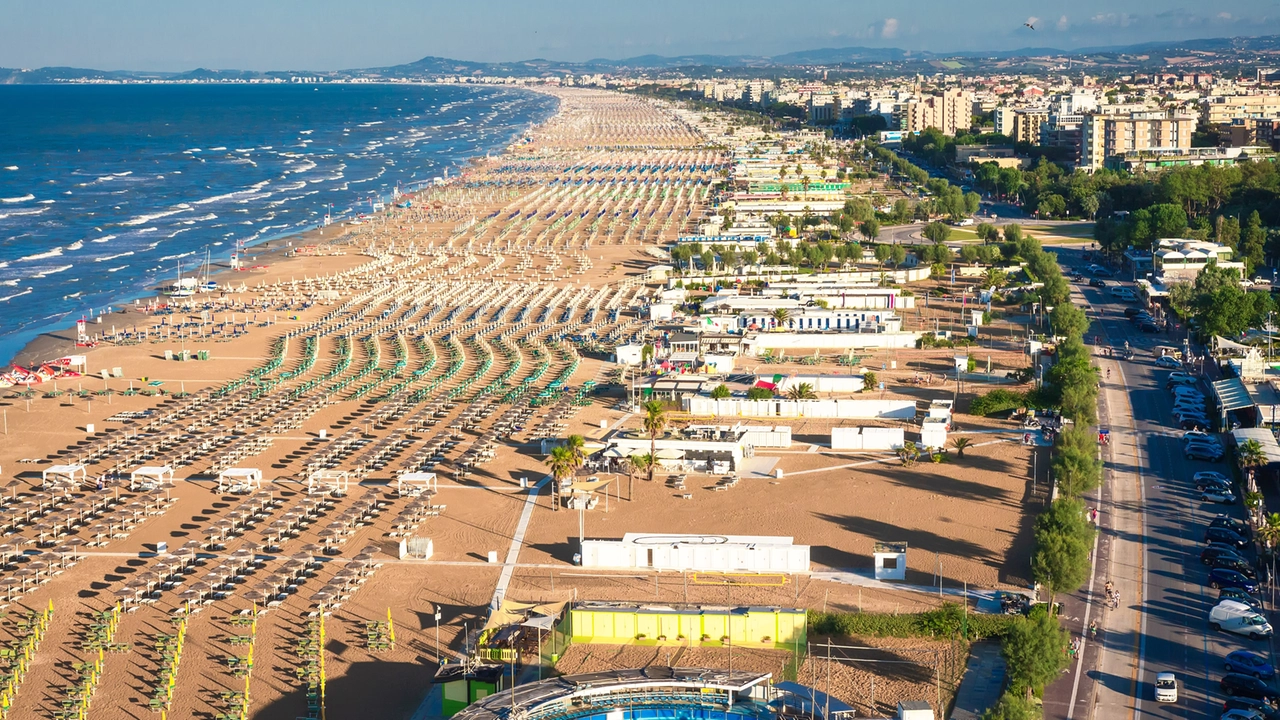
(99, 483)
(1093, 629)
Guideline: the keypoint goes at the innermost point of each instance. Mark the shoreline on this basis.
(59, 339)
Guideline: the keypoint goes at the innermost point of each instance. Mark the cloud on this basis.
(1112, 19)
(890, 28)
(1224, 16)
(1062, 23)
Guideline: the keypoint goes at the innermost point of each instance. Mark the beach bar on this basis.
(239, 480)
(150, 476)
(693, 625)
(60, 475)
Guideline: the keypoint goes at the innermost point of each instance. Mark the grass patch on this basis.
(1075, 230)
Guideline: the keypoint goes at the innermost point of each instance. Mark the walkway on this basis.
(983, 681)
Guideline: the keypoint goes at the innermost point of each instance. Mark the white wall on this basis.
(866, 438)
(725, 557)
(832, 341)
(734, 407)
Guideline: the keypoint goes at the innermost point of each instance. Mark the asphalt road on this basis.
(1173, 634)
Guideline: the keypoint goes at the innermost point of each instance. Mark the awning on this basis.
(670, 454)
(1231, 394)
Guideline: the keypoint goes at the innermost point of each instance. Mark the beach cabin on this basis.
(149, 477)
(239, 481)
(890, 560)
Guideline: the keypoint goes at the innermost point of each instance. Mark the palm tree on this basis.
(908, 453)
(960, 444)
(994, 278)
(802, 391)
(576, 445)
(562, 466)
(655, 422)
(780, 316)
(1269, 531)
(1251, 455)
(637, 463)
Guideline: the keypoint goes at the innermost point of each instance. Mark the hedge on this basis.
(997, 400)
(946, 621)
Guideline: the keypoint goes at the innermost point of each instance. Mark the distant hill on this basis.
(1209, 52)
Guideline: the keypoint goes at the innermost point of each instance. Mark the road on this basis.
(1156, 523)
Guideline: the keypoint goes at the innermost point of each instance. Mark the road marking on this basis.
(1142, 556)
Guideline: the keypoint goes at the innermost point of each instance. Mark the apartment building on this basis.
(1222, 109)
(1106, 136)
(1026, 125)
(948, 112)
(1063, 131)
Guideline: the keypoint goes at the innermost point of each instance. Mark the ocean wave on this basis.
(7, 298)
(245, 150)
(117, 269)
(144, 219)
(306, 166)
(296, 186)
(75, 245)
(173, 234)
(176, 257)
(109, 258)
(54, 271)
(147, 230)
(371, 124)
(11, 283)
(10, 167)
(205, 218)
(23, 213)
(24, 198)
(217, 149)
(41, 256)
(192, 150)
(104, 238)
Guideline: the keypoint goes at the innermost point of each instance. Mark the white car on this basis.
(1218, 495)
(1168, 361)
(1210, 476)
(1166, 688)
(1179, 375)
(1242, 714)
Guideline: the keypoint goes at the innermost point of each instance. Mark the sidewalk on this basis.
(1099, 683)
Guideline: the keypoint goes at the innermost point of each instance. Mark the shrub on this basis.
(997, 400)
(948, 620)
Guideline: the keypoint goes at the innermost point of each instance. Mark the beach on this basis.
(243, 475)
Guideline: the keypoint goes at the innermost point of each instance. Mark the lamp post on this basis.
(437, 635)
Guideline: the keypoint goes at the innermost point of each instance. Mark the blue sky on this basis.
(336, 34)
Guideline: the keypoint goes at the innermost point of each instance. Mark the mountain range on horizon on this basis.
(1144, 55)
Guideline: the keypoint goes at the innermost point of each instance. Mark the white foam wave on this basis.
(75, 245)
(217, 149)
(176, 257)
(115, 269)
(24, 198)
(104, 238)
(41, 256)
(144, 219)
(147, 230)
(54, 271)
(48, 202)
(7, 298)
(10, 167)
(113, 257)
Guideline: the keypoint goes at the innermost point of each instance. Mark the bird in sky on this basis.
(1028, 24)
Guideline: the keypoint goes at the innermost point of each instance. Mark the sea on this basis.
(106, 190)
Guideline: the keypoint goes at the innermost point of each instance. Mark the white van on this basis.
(1236, 617)
(1123, 292)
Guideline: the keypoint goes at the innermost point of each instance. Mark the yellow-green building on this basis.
(622, 624)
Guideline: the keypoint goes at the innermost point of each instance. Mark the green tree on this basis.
(994, 278)
(759, 393)
(1226, 231)
(883, 253)
(1069, 320)
(960, 444)
(1063, 541)
(870, 229)
(1252, 242)
(780, 317)
(1012, 706)
(562, 466)
(987, 232)
(801, 391)
(720, 392)
(937, 232)
(1035, 653)
(655, 423)
(972, 201)
(897, 255)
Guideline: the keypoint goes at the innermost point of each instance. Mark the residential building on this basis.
(1105, 136)
(1246, 132)
(1026, 125)
(1158, 158)
(948, 112)
(1063, 131)
(1222, 109)
(1004, 120)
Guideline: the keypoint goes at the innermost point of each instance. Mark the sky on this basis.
(175, 35)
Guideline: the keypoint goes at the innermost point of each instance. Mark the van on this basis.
(1236, 617)
(1123, 293)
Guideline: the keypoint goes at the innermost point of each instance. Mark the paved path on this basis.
(983, 681)
(517, 541)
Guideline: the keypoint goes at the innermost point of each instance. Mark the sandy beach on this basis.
(431, 338)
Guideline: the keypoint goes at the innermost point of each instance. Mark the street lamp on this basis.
(437, 635)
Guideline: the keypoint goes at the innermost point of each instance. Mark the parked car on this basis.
(1131, 311)
(1238, 527)
(1239, 596)
(1201, 451)
(1174, 382)
(1220, 495)
(1149, 327)
(1247, 662)
(1180, 375)
(1241, 566)
(1218, 550)
(1168, 361)
(1207, 483)
(1193, 424)
(1240, 619)
(1243, 714)
(1238, 685)
(1249, 704)
(1166, 688)
(1225, 536)
(1224, 577)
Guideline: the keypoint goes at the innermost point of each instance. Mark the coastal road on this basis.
(1157, 524)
